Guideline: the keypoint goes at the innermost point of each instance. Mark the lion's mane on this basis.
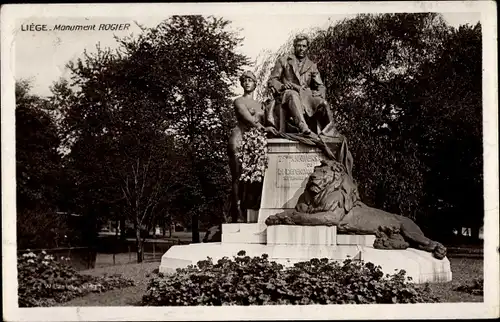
(338, 189)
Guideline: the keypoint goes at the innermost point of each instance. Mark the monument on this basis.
(308, 205)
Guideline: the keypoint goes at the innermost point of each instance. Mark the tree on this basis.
(144, 135)
(450, 120)
(37, 159)
(124, 160)
(37, 171)
(192, 63)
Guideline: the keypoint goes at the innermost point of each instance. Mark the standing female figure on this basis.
(249, 114)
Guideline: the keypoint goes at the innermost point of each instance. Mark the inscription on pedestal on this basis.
(293, 169)
(290, 164)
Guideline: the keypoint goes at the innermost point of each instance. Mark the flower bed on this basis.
(43, 281)
(257, 281)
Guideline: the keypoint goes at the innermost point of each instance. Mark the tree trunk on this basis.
(194, 218)
(122, 228)
(139, 243)
(195, 229)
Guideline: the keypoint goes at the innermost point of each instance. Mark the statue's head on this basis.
(248, 81)
(330, 187)
(329, 174)
(301, 45)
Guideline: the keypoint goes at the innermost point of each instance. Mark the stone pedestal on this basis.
(302, 235)
(288, 245)
(420, 265)
(184, 255)
(254, 233)
(363, 240)
(290, 164)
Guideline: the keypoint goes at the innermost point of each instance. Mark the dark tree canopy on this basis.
(37, 159)
(147, 124)
(38, 173)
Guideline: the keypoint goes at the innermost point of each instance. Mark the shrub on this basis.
(257, 281)
(43, 281)
(474, 287)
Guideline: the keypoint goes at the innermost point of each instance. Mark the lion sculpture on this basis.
(331, 198)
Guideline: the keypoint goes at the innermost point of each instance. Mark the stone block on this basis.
(301, 235)
(365, 240)
(419, 265)
(253, 233)
(184, 255)
(287, 255)
(299, 253)
(432, 270)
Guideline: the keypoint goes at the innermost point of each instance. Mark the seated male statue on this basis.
(296, 84)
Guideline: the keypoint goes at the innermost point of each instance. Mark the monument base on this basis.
(419, 265)
(288, 245)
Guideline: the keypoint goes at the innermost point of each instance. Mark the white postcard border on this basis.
(10, 16)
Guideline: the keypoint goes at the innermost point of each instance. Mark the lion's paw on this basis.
(280, 219)
(272, 220)
(439, 251)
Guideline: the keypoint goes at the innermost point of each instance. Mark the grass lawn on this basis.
(122, 297)
(463, 269)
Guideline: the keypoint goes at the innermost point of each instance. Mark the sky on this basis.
(42, 56)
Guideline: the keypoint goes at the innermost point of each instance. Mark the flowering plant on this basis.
(245, 280)
(45, 281)
(252, 156)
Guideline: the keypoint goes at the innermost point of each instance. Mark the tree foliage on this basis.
(38, 170)
(450, 125)
(146, 124)
(193, 63)
(37, 159)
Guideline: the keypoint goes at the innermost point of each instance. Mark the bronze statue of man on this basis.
(297, 85)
